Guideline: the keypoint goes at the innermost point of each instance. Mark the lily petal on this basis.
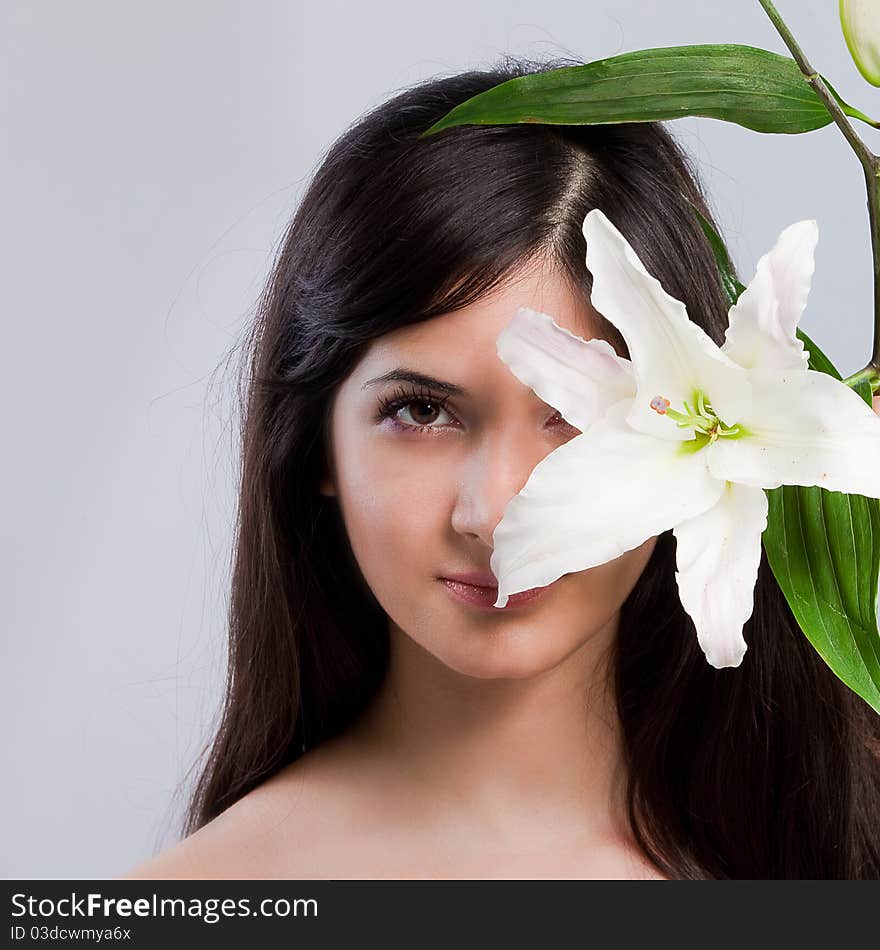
(671, 355)
(581, 378)
(805, 429)
(763, 321)
(717, 555)
(594, 498)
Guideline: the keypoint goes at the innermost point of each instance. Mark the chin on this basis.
(505, 655)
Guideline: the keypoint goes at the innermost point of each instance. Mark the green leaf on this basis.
(824, 547)
(818, 360)
(755, 88)
(732, 287)
(824, 550)
(863, 388)
(849, 110)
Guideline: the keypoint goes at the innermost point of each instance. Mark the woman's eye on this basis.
(421, 413)
(425, 414)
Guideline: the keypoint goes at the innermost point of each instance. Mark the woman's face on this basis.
(422, 478)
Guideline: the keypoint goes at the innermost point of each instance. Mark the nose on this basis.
(494, 472)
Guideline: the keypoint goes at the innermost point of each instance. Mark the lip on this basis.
(474, 578)
(463, 587)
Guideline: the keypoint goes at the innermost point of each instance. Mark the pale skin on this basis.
(493, 747)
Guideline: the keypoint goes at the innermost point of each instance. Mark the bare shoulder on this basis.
(337, 814)
(281, 829)
(219, 850)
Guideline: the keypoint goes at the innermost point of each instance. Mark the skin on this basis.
(493, 748)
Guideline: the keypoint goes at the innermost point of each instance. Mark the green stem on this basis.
(871, 373)
(870, 165)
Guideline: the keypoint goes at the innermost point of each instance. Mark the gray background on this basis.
(152, 153)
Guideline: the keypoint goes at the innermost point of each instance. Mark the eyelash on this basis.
(406, 396)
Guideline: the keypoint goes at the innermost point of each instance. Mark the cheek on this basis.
(395, 509)
(581, 617)
(602, 590)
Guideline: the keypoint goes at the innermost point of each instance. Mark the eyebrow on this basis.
(406, 375)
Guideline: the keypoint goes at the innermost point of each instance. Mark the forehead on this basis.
(465, 339)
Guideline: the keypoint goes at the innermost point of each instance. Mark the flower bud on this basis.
(860, 20)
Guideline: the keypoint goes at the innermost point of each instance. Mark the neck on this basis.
(506, 749)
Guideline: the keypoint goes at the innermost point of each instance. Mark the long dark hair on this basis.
(764, 771)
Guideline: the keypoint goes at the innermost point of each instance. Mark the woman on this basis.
(382, 719)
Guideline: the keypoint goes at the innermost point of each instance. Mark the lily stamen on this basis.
(702, 420)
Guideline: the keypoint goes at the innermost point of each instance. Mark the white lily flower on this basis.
(860, 20)
(685, 435)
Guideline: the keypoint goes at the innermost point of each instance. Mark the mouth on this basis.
(485, 596)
